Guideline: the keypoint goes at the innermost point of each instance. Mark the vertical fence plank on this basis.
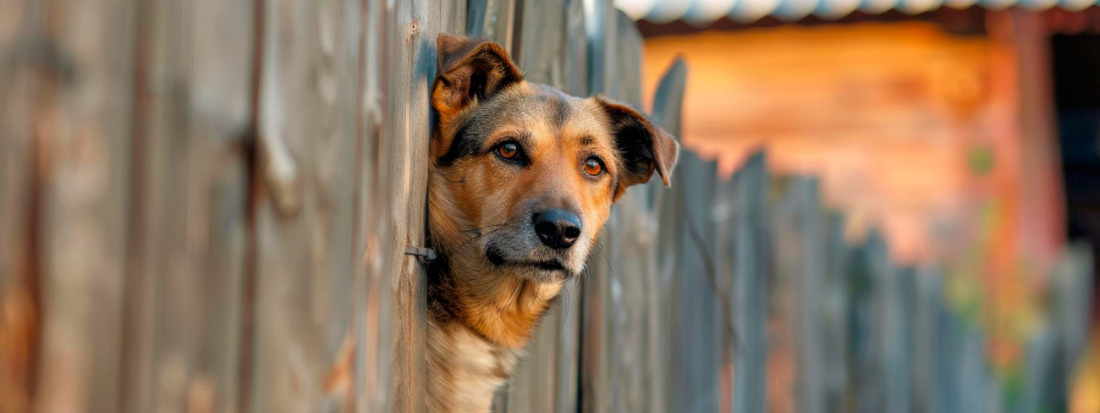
(900, 350)
(304, 218)
(629, 237)
(864, 344)
(927, 301)
(83, 129)
(219, 105)
(836, 327)
(413, 29)
(185, 283)
(542, 34)
(596, 386)
(810, 281)
(493, 20)
(949, 332)
(751, 257)
(20, 293)
(667, 105)
(887, 319)
(723, 221)
(784, 293)
(410, 67)
(696, 374)
(372, 290)
(972, 371)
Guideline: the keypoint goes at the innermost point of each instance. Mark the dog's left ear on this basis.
(643, 147)
(470, 70)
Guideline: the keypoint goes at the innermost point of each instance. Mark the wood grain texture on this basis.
(413, 28)
(20, 299)
(494, 20)
(304, 223)
(751, 252)
(595, 387)
(371, 289)
(189, 188)
(84, 132)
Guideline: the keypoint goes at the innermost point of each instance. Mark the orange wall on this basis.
(893, 117)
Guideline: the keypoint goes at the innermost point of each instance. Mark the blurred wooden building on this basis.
(969, 133)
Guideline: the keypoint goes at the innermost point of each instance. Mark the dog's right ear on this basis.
(470, 70)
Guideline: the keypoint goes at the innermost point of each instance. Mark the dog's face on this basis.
(523, 176)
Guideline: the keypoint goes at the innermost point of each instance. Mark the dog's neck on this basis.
(478, 325)
(503, 310)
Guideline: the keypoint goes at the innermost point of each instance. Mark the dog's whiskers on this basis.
(610, 268)
(477, 237)
(482, 228)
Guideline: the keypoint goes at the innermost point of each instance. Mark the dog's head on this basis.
(523, 176)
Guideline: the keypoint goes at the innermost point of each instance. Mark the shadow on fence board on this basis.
(207, 204)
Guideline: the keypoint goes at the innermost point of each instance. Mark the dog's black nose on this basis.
(558, 228)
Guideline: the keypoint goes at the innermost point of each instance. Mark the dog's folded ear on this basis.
(470, 70)
(642, 146)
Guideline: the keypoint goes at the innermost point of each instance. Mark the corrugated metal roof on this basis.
(702, 12)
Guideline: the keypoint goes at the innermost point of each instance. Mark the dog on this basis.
(521, 180)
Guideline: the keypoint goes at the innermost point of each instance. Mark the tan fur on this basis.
(483, 310)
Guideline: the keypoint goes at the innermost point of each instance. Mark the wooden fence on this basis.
(206, 204)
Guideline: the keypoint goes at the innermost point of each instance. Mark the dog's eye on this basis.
(508, 150)
(593, 167)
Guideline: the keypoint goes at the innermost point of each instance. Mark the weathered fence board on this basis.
(84, 130)
(304, 220)
(493, 20)
(372, 281)
(835, 321)
(658, 274)
(751, 266)
(928, 301)
(189, 196)
(411, 60)
(864, 347)
(809, 280)
(597, 390)
(20, 302)
(20, 285)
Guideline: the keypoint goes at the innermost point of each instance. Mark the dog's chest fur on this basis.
(466, 368)
(474, 339)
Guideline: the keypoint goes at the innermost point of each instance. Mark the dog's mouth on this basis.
(552, 265)
(494, 255)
